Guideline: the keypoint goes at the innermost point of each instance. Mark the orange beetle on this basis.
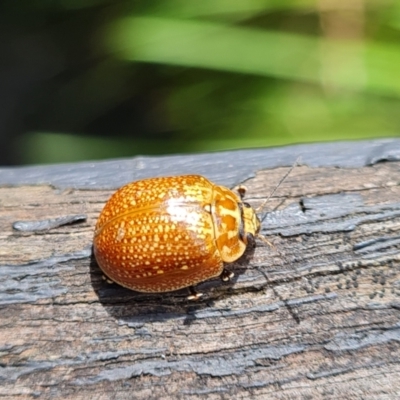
(164, 234)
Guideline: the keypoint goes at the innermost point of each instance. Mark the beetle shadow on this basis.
(135, 309)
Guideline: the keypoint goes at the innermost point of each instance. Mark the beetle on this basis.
(167, 233)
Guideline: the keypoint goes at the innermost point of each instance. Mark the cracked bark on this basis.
(315, 315)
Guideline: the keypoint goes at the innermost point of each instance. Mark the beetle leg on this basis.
(107, 279)
(226, 275)
(241, 190)
(193, 294)
(266, 241)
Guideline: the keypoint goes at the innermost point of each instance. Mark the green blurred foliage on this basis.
(190, 75)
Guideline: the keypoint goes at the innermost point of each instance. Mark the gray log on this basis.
(317, 315)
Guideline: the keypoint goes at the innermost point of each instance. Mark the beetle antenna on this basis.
(258, 209)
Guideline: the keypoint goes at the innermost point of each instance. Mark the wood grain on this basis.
(317, 315)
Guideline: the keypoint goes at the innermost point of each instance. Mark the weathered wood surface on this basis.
(315, 316)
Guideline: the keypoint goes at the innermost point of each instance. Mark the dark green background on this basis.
(90, 79)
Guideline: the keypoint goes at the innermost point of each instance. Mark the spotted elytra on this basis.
(163, 234)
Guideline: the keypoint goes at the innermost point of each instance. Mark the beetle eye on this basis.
(247, 205)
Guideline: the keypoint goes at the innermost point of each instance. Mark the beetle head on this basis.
(251, 222)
